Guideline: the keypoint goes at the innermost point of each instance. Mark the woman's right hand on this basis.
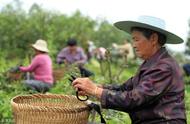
(87, 87)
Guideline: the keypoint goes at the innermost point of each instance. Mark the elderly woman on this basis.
(41, 67)
(155, 94)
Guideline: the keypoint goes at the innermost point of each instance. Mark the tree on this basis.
(19, 29)
(107, 34)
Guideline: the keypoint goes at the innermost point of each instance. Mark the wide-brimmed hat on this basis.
(149, 22)
(41, 45)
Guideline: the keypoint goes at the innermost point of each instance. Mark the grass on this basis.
(9, 90)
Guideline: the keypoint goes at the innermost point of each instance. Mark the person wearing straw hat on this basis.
(41, 66)
(155, 94)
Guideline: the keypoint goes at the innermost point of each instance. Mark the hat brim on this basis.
(40, 48)
(127, 25)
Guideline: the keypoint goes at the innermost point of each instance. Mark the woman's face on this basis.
(143, 47)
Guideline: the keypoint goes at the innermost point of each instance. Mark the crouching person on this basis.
(73, 54)
(41, 67)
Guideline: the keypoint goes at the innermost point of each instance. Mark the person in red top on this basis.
(41, 67)
(155, 94)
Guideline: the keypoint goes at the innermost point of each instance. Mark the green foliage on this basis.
(179, 57)
(19, 29)
(187, 103)
(112, 67)
(8, 90)
(187, 51)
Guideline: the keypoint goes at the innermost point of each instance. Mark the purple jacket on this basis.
(155, 95)
(72, 58)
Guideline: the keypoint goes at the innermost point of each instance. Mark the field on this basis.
(9, 89)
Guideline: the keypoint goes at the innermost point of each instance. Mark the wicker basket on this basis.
(49, 109)
(58, 73)
(14, 75)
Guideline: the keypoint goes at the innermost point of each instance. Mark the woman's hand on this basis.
(87, 87)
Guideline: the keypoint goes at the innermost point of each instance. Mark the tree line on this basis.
(19, 29)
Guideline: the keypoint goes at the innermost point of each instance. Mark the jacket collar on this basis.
(155, 58)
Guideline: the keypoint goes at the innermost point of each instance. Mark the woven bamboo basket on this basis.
(14, 75)
(58, 73)
(49, 109)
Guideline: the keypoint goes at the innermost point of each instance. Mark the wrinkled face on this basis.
(143, 47)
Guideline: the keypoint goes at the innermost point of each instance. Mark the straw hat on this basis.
(152, 23)
(41, 45)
